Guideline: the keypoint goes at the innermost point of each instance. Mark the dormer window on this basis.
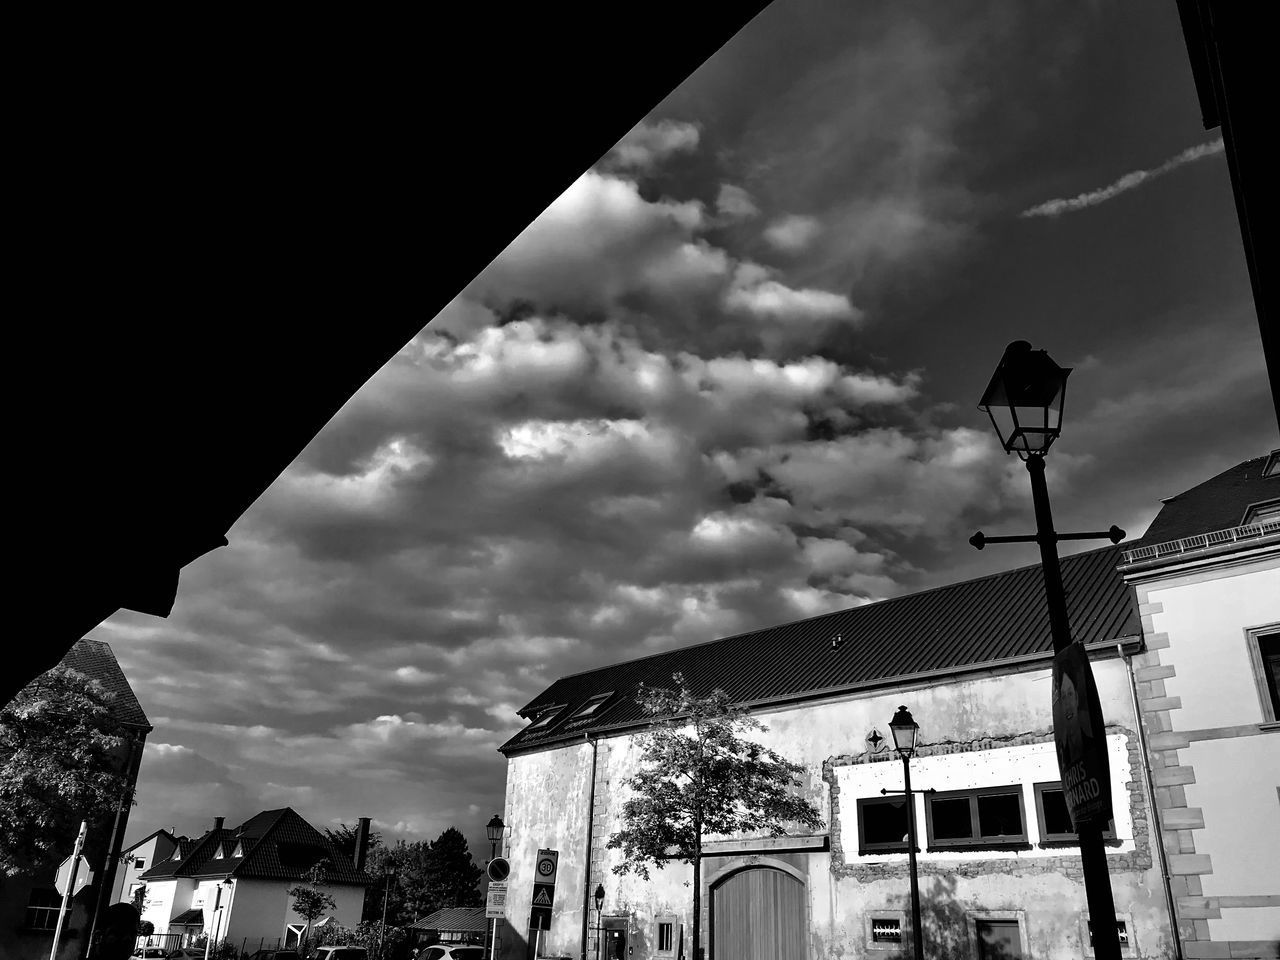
(219, 853)
(1260, 512)
(544, 717)
(1273, 463)
(592, 706)
(239, 850)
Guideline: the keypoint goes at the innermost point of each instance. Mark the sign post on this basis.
(544, 889)
(495, 905)
(71, 869)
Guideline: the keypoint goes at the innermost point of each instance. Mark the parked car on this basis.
(274, 955)
(444, 951)
(151, 953)
(185, 953)
(340, 953)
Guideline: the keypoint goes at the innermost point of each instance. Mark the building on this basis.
(29, 903)
(137, 859)
(1207, 578)
(232, 883)
(999, 866)
(452, 925)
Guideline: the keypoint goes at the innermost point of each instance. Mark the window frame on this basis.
(1017, 921)
(1047, 839)
(870, 849)
(879, 916)
(33, 909)
(977, 841)
(1268, 697)
(543, 720)
(675, 934)
(591, 707)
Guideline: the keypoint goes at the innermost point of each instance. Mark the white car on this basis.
(340, 953)
(444, 951)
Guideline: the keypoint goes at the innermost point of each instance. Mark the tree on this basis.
(344, 838)
(60, 762)
(309, 902)
(699, 778)
(423, 878)
(453, 879)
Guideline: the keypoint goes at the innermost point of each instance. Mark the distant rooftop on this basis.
(1237, 497)
(95, 660)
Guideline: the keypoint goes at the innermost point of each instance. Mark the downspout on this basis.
(591, 820)
(1152, 805)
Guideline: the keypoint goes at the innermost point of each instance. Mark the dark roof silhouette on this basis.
(154, 833)
(460, 919)
(273, 845)
(1001, 617)
(94, 659)
(1219, 503)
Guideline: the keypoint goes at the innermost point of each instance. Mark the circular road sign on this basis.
(499, 869)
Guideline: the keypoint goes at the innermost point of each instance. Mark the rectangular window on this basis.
(882, 825)
(999, 939)
(1122, 931)
(1269, 654)
(886, 930)
(1055, 818)
(591, 707)
(991, 816)
(42, 909)
(665, 937)
(139, 863)
(544, 718)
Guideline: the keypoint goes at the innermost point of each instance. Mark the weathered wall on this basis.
(987, 730)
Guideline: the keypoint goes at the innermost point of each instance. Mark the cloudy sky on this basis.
(728, 379)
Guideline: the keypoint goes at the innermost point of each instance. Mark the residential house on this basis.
(451, 925)
(232, 883)
(29, 903)
(1207, 578)
(137, 859)
(1000, 870)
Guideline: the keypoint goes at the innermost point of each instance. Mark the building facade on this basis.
(137, 859)
(1207, 578)
(232, 883)
(1000, 872)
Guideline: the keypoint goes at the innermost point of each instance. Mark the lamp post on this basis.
(904, 730)
(388, 877)
(599, 925)
(494, 830)
(1024, 401)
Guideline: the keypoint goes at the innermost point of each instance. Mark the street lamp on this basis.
(905, 730)
(599, 908)
(494, 829)
(1024, 401)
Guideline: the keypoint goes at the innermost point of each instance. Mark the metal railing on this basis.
(1202, 541)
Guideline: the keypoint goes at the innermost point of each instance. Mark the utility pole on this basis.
(71, 888)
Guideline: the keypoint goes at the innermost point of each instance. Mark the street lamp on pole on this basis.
(494, 830)
(905, 730)
(599, 907)
(1024, 400)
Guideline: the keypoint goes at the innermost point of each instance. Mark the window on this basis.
(882, 825)
(1055, 819)
(42, 909)
(1264, 654)
(665, 936)
(1260, 512)
(219, 853)
(886, 930)
(970, 818)
(139, 863)
(998, 939)
(239, 850)
(591, 707)
(544, 717)
(1122, 930)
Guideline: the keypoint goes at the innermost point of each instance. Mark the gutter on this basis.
(591, 822)
(1152, 805)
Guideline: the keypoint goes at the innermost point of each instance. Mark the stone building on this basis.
(999, 868)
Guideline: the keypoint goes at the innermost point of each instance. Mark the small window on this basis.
(998, 939)
(882, 825)
(544, 717)
(591, 707)
(42, 909)
(665, 936)
(970, 818)
(1122, 931)
(218, 853)
(1261, 512)
(886, 930)
(1269, 660)
(139, 863)
(1055, 818)
(239, 850)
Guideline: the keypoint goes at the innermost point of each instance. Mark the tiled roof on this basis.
(275, 845)
(964, 625)
(149, 836)
(1217, 504)
(453, 919)
(94, 659)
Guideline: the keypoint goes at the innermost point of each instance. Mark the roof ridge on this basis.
(818, 616)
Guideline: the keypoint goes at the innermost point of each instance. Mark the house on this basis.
(1207, 579)
(449, 925)
(135, 860)
(999, 865)
(29, 903)
(232, 883)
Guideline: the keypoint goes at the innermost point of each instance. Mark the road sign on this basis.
(495, 904)
(499, 869)
(84, 876)
(1080, 736)
(546, 866)
(540, 918)
(543, 894)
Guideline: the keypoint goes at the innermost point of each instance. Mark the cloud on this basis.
(648, 144)
(734, 203)
(1130, 181)
(792, 234)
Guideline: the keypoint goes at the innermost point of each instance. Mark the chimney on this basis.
(362, 842)
(217, 823)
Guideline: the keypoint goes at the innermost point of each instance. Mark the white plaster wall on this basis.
(165, 900)
(263, 908)
(1205, 622)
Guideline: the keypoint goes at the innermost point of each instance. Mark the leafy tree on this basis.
(699, 778)
(453, 879)
(61, 761)
(309, 902)
(418, 878)
(344, 838)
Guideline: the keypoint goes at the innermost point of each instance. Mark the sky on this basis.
(728, 379)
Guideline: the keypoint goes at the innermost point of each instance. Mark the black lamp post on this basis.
(388, 878)
(1024, 401)
(904, 730)
(599, 909)
(494, 830)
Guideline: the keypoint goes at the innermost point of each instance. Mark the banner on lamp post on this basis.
(1080, 737)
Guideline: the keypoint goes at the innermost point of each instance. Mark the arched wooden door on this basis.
(758, 914)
